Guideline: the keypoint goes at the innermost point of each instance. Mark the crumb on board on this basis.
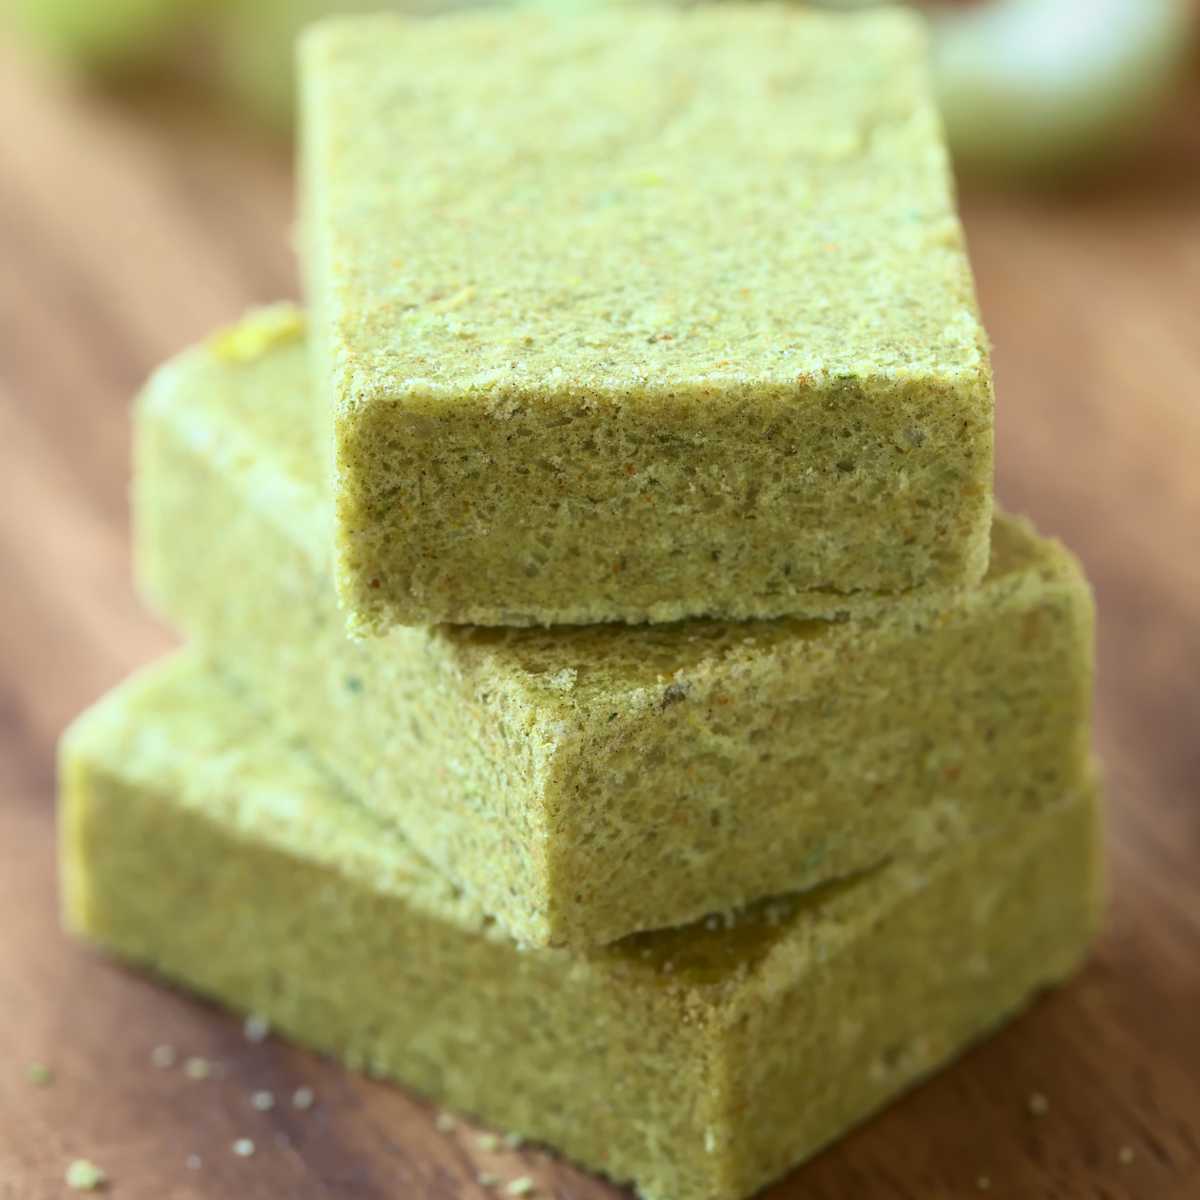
(520, 1187)
(263, 1100)
(303, 1097)
(39, 1074)
(197, 1067)
(85, 1176)
(1039, 1106)
(488, 1142)
(984, 1183)
(445, 1122)
(164, 1056)
(256, 1028)
(243, 1148)
(1125, 1155)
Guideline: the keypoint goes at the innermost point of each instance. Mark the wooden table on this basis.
(129, 227)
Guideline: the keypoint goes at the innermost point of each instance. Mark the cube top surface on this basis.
(710, 199)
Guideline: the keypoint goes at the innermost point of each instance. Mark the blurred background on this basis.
(146, 198)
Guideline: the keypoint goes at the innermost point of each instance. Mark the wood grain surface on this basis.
(130, 226)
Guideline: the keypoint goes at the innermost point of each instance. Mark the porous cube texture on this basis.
(584, 783)
(638, 315)
(698, 1063)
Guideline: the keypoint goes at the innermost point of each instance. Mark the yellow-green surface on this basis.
(698, 1063)
(638, 315)
(582, 783)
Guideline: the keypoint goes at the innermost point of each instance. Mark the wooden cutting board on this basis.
(129, 227)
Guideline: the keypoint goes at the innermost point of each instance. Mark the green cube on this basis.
(636, 315)
(698, 1063)
(583, 783)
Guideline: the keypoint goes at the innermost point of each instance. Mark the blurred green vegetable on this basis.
(1047, 86)
(103, 35)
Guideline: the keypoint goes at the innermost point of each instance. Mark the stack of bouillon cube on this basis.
(613, 707)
